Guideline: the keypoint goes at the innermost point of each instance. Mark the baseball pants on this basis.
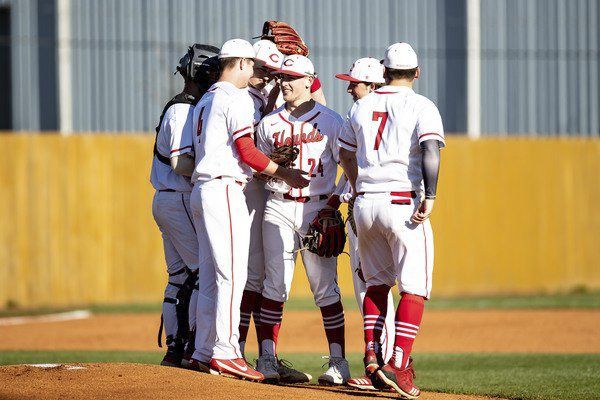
(391, 247)
(173, 215)
(223, 225)
(285, 223)
(256, 197)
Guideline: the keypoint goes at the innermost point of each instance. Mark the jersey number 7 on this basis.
(376, 116)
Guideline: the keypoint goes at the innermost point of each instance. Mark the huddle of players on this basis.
(231, 235)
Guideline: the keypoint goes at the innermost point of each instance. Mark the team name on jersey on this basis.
(313, 136)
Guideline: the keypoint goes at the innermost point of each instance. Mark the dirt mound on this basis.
(136, 381)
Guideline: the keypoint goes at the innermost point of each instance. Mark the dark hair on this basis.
(393, 74)
(229, 62)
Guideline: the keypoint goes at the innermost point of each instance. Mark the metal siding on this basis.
(540, 67)
(540, 72)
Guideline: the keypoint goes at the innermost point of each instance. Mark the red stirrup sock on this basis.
(333, 321)
(271, 314)
(248, 299)
(408, 320)
(374, 311)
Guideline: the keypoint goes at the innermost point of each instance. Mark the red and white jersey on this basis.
(315, 134)
(385, 129)
(224, 114)
(174, 139)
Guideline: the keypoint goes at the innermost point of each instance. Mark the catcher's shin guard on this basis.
(175, 312)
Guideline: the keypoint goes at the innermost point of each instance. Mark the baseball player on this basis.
(225, 156)
(390, 153)
(364, 77)
(170, 176)
(267, 60)
(313, 129)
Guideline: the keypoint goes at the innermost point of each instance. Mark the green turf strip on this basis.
(586, 300)
(514, 376)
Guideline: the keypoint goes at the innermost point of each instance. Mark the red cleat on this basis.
(401, 380)
(236, 368)
(362, 383)
(199, 366)
(371, 362)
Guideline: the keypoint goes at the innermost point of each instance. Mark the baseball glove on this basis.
(287, 40)
(326, 236)
(284, 155)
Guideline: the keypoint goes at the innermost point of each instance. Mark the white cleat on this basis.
(337, 374)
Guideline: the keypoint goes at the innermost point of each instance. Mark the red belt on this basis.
(305, 199)
(226, 177)
(404, 197)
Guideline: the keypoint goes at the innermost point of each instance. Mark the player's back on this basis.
(224, 114)
(388, 126)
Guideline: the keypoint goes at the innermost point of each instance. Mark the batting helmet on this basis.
(200, 64)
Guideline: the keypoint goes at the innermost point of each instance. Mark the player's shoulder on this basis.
(424, 103)
(327, 113)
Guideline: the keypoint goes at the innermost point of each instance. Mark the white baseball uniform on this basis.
(287, 216)
(224, 114)
(385, 129)
(171, 207)
(256, 197)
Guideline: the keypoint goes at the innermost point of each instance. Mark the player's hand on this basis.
(295, 178)
(423, 212)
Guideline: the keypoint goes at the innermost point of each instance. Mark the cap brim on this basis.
(346, 77)
(288, 72)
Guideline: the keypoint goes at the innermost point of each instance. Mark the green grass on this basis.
(513, 376)
(579, 300)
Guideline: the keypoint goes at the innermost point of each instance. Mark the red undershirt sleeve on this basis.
(250, 154)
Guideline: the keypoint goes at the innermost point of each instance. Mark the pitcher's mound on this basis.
(137, 381)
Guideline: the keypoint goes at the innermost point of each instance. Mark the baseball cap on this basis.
(296, 65)
(400, 56)
(267, 53)
(364, 70)
(237, 48)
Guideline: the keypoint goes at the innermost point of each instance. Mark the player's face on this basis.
(358, 90)
(247, 69)
(262, 76)
(294, 87)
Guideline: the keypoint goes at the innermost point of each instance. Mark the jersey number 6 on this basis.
(376, 116)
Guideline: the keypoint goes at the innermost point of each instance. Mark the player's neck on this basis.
(233, 78)
(401, 82)
(300, 107)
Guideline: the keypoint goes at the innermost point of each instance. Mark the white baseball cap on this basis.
(400, 56)
(364, 70)
(267, 53)
(296, 65)
(237, 48)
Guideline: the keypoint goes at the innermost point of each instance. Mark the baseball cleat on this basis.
(236, 368)
(371, 362)
(199, 366)
(362, 383)
(290, 375)
(172, 358)
(337, 374)
(267, 365)
(401, 380)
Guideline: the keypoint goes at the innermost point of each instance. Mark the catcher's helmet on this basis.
(200, 64)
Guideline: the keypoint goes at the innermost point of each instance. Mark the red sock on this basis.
(408, 320)
(271, 314)
(333, 321)
(256, 316)
(248, 299)
(374, 311)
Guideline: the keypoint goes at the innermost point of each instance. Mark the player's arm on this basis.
(316, 92)
(347, 150)
(349, 165)
(430, 132)
(181, 147)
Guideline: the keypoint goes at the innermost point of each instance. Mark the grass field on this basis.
(512, 376)
(584, 300)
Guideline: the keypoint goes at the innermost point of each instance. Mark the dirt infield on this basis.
(134, 381)
(443, 331)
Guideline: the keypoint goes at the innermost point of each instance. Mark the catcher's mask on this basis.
(200, 64)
